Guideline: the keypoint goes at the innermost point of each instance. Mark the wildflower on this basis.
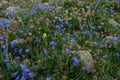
(105, 57)
(10, 15)
(28, 31)
(2, 37)
(20, 50)
(67, 50)
(94, 32)
(72, 40)
(100, 27)
(118, 55)
(45, 52)
(95, 43)
(58, 27)
(31, 74)
(7, 23)
(75, 34)
(112, 11)
(5, 51)
(84, 68)
(113, 40)
(20, 31)
(23, 78)
(52, 43)
(17, 57)
(15, 74)
(26, 72)
(32, 12)
(63, 39)
(7, 61)
(15, 50)
(93, 27)
(13, 43)
(87, 32)
(1, 22)
(75, 61)
(17, 78)
(63, 31)
(48, 78)
(105, 45)
(97, 2)
(118, 1)
(27, 50)
(4, 46)
(88, 70)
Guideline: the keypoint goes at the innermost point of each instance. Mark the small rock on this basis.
(114, 23)
(4, 4)
(18, 41)
(111, 37)
(86, 58)
(15, 10)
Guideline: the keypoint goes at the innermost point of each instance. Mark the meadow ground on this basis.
(37, 40)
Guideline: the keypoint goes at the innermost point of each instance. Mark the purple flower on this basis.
(100, 27)
(1, 22)
(105, 45)
(7, 61)
(94, 32)
(4, 46)
(23, 67)
(20, 51)
(52, 43)
(93, 27)
(87, 32)
(75, 34)
(10, 15)
(48, 78)
(84, 68)
(58, 27)
(17, 78)
(95, 43)
(105, 56)
(118, 55)
(112, 11)
(98, 10)
(23, 78)
(15, 74)
(32, 12)
(97, 2)
(113, 40)
(72, 40)
(67, 50)
(88, 70)
(17, 57)
(63, 39)
(13, 43)
(7, 23)
(27, 50)
(45, 52)
(118, 1)
(75, 61)
(5, 51)
(2, 37)
(20, 31)
(15, 50)
(31, 74)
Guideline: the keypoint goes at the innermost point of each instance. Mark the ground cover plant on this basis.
(37, 40)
